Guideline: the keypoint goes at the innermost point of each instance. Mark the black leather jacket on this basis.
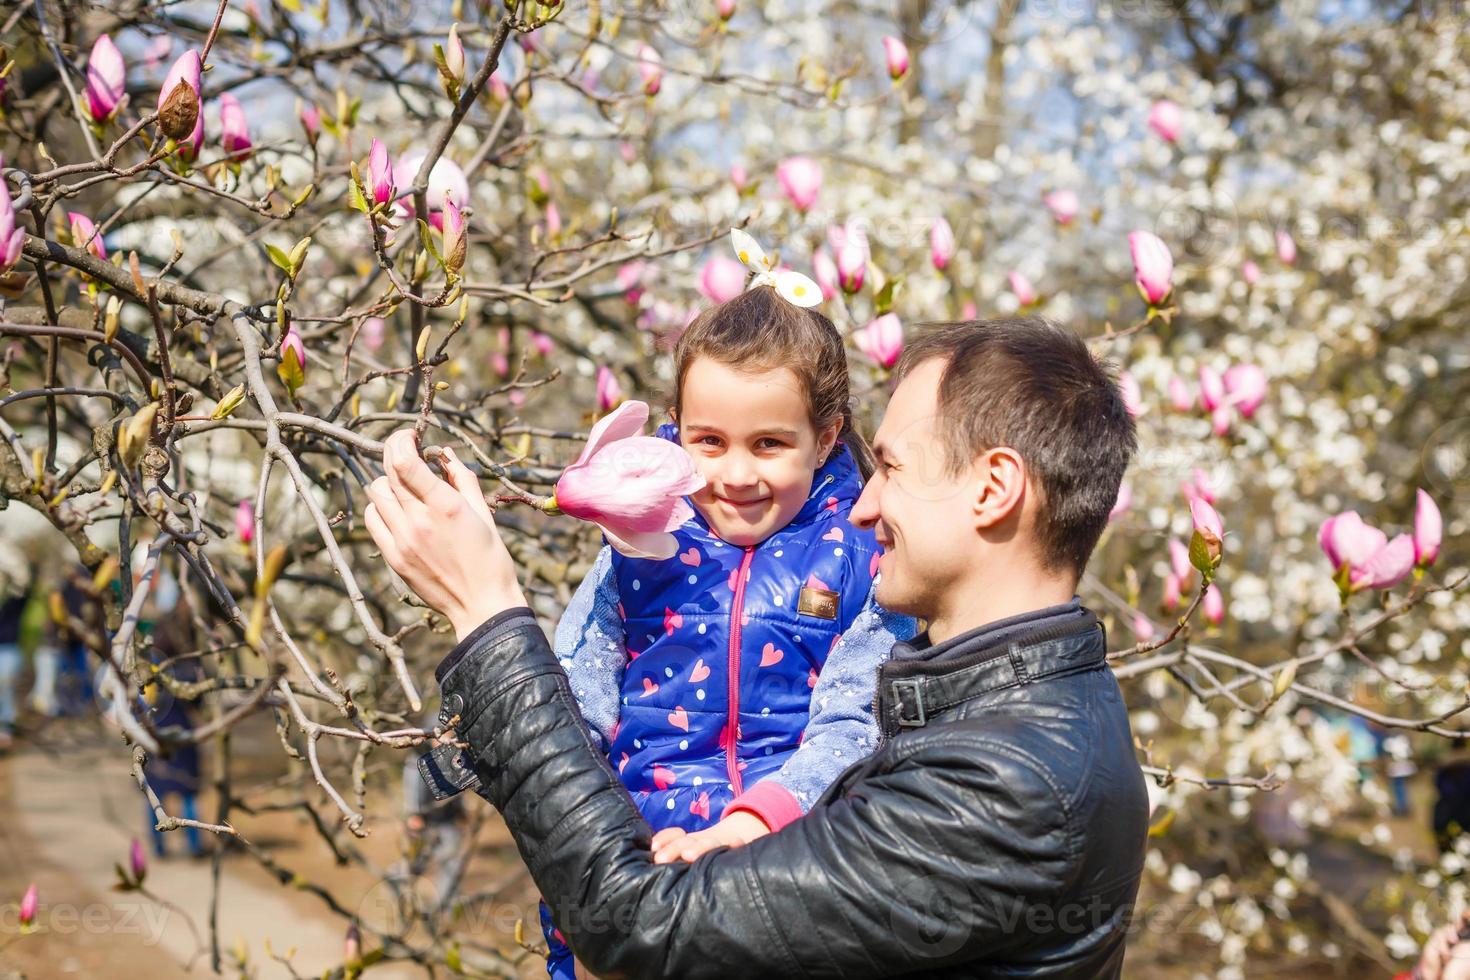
(997, 831)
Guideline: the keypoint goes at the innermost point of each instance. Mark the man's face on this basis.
(753, 442)
(923, 518)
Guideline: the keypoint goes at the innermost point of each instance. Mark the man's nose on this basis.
(864, 513)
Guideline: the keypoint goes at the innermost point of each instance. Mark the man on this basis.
(999, 828)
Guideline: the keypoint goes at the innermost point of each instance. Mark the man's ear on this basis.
(1000, 486)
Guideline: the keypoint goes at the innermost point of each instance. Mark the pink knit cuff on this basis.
(770, 801)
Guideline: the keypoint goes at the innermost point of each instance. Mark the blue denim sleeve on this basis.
(589, 645)
(841, 729)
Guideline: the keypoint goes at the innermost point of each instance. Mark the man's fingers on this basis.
(409, 475)
(383, 537)
(390, 512)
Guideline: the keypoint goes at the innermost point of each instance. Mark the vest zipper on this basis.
(737, 608)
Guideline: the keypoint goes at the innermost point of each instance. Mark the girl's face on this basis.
(753, 443)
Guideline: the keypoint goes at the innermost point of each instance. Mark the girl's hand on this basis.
(736, 830)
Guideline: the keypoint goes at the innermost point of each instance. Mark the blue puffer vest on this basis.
(720, 632)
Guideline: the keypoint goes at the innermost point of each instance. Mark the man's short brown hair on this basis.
(1035, 387)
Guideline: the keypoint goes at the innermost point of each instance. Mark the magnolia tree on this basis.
(242, 243)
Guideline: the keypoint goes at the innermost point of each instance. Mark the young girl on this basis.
(715, 679)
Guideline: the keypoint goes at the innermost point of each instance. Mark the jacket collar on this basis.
(837, 478)
(912, 689)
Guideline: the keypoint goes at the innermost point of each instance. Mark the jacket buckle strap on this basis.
(908, 703)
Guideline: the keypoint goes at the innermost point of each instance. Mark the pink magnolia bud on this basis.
(234, 133)
(1221, 418)
(801, 180)
(1211, 388)
(1143, 627)
(609, 392)
(543, 344)
(630, 280)
(499, 364)
(12, 237)
(292, 368)
(1166, 119)
(1179, 565)
(499, 91)
(650, 69)
(1153, 266)
(245, 522)
(454, 54)
(631, 486)
(1131, 392)
(1245, 386)
(180, 110)
(722, 279)
(726, 8)
(1285, 247)
(739, 177)
(1173, 591)
(374, 332)
(1213, 606)
(1428, 530)
(882, 340)
(1021, 286)
(1363, 553)
(825, 271)
(311, 120)
(1063, 206)
(30, 904)
(1208, 525)
(105, 76)
(380, 173)
(1180, 397)
(941, 244)
(137, 863)
(446, 178)
(896, 53)
(455, 240)
(1250, 272)
(553, 219)
(84, 234)
(1123, 502)
(852, 267)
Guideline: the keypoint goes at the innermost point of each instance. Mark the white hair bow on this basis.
(792, 286)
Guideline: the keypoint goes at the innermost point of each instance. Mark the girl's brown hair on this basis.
(760, 331)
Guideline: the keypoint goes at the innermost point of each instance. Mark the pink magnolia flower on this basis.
(105, 76)
(1021, 286)
(500, 364)
(1245, 386)
(1153, 266)
(1123, 502)
(1211, 388)
(245, 522)
(137, 863)
(882, 340)
(1143, 628)
(1180, 397)
(499, 91)
(722, 279)
(726, 8)
(30, 904)
(1166, 119)
(292, 369)
(1213, 606)
(12, 237)
(801, 180)
(1179, 565)
(1370, 559)
(311, 120)
(446, 178)
(630, 280)
(609, 392)
(941, 244)
(189, 70)
(1131, 392)
(849, 244)
(1285, 247)
(1250, 272)
(1221, 418)
(543, 344)
(553, 219)
(1173, 591)
(825, 271)
(374, 332)
(455, 241)
(1207, 524)
(454, 54)
(380, 173)
(234, 132)
(631, 486)
(84, 234)
(1063, 206)
(896, 54)
(1428, 529)
(650, 69)
(739, 177)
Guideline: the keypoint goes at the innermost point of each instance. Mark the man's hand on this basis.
(441, 537)
(736, 830)
(1445, 956)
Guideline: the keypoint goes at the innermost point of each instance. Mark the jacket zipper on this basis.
(737, 608)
